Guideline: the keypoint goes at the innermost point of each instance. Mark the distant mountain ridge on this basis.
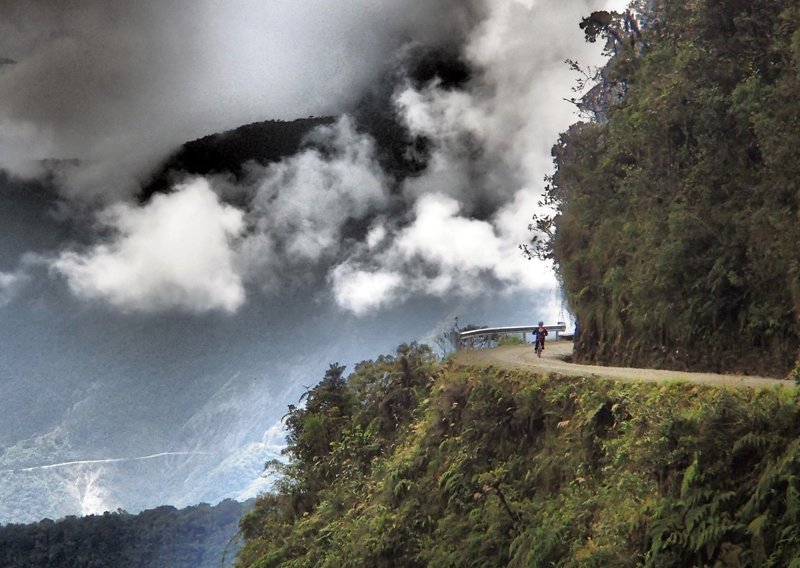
(400, 153)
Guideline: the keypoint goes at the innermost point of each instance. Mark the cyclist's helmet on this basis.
(541, 323)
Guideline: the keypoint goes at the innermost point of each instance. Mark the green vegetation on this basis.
(408, 462)
(195, 537)
(676, 223)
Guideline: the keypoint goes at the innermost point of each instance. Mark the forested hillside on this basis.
(676, 229)
(194, 537)
(409, 463)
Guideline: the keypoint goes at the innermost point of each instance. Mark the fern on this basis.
(696, 516)
(689, 477)
(756, 526)
(751, 441)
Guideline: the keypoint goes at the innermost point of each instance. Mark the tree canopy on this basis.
(201, 536)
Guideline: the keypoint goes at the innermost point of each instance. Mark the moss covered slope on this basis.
(407, 463)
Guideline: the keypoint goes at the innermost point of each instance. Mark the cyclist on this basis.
(539, 334)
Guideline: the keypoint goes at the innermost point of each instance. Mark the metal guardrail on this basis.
(492, 332)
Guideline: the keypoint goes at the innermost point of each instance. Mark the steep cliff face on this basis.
(409, 463)
(676, 207)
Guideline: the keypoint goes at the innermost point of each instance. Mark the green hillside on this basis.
(676, 225)
(407, 462)
(195, 537)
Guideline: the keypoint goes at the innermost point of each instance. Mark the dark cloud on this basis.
(118, 84)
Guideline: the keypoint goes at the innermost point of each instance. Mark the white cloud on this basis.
(361, 291)
(189, 251)
(441, 238)
(441, 253)
(490, 152)
(377, 234)
(174, 253)
(468, 211)
(303, 202)
(453, 229)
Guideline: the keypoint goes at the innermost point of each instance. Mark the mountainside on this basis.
(407, 462)
(228, 152)
(202, 536)
(124, 417)
(676, 225)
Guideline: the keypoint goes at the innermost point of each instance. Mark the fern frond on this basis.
(689, 476)
(751, 441)
(757, 525)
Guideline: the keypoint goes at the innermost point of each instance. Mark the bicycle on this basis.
(538, 347)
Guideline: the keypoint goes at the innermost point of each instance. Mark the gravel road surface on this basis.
(552, 360)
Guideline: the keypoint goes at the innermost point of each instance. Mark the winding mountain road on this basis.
(552, 361)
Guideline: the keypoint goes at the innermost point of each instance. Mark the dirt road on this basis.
(552, 360)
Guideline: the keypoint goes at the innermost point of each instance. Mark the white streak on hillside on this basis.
(104, 461)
